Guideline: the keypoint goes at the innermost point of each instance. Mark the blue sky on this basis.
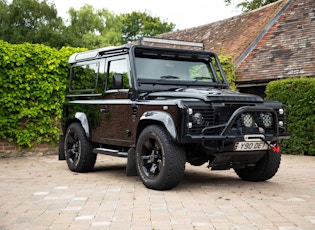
(185, 14)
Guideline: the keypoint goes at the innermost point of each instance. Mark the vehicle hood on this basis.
(211, 95)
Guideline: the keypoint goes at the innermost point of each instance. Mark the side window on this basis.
(84, 77)
(118, 66)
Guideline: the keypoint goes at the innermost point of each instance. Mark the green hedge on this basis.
(298, 94)
(33, 80)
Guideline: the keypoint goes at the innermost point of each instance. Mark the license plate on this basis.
(250, 146)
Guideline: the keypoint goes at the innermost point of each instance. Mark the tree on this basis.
(92, 28)
(137, 24)
(31, 21)
(3, 16)
(249, 5)
(36, 21)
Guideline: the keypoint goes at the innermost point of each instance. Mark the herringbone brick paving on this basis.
(41, 193)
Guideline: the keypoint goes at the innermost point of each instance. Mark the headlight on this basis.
(266, 119)
(247, 120)
(197, 118)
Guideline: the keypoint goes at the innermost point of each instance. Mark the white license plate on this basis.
(250, 146)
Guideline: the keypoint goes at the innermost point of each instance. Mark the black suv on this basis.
(162, 107)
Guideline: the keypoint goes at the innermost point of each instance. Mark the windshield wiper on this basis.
(177, 89)
(169, 77)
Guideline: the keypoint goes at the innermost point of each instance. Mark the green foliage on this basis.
(249, 5)
(33, 80)
(137, 24)
(36, 21)
(30, 21)
(229, 69)
(88, 27)
(298, 94)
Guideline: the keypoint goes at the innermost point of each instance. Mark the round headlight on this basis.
(266, 119)
(197, 118)
(248, 120)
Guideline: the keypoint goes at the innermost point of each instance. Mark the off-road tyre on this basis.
(160, 162)
(78, 149)
(263, 170)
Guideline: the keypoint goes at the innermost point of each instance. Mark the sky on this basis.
(184, 14)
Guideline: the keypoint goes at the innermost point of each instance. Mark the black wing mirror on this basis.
(118, 81)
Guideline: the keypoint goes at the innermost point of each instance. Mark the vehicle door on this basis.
(116, 106)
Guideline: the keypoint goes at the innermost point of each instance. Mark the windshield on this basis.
(163, 69)
(184, 70)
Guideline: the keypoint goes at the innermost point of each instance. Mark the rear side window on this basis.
(84, 77)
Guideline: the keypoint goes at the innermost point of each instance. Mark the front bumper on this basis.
(229, 133)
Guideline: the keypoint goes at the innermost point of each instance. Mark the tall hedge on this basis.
(298, 94)
(33, 80)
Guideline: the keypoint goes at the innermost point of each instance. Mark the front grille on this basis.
(215, 117)
(223, 114)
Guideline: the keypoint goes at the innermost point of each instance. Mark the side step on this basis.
(110, 152)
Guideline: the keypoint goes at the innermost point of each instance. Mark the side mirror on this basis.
(118, 81)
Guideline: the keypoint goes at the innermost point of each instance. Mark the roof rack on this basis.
(171, 42)
(86, 55)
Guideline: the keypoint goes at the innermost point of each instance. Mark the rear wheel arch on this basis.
(84, 122)
(81, 118)
(78, 149)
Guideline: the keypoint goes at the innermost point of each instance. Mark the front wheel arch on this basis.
(159, 117)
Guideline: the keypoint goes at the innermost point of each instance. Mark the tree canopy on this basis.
(37, 21)
(30, 21)
(249, 5)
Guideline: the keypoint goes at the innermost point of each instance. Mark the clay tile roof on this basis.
(287, 49)
(230, 36)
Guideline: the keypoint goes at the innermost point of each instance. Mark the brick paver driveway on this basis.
(41, 193)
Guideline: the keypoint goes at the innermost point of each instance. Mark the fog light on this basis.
(248, 120)
(266, 119)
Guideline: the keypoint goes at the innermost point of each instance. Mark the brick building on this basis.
(273, 42)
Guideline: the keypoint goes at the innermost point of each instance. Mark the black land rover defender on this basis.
(162, 107)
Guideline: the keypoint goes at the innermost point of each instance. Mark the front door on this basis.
(116, 107)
